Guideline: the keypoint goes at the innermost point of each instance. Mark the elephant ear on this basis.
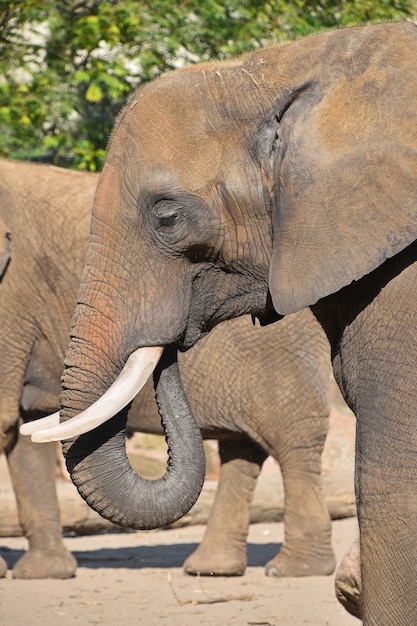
(343, 164)
(4, 247)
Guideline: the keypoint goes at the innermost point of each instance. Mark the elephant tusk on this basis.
(43, 422)
(138, 368)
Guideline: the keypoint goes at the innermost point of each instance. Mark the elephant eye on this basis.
(169, 219)
(168, 214)
(184, 224)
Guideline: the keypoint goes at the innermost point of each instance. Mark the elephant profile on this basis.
(45, 217)
(283, 179)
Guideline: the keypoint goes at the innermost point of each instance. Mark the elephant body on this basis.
(282, 179)
(45, 215)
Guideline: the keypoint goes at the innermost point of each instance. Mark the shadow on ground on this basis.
(163, 556)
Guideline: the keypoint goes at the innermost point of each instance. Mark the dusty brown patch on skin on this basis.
(203, 160)
(374, 73)
(171, 117)
(353, 110)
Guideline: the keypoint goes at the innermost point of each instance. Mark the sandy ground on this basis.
(128, 578)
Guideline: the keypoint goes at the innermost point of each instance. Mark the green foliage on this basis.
(68, 66)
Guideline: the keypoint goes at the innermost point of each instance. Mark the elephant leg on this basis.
(386, 487)
(307, 548)
(386, 479)
(222, 551)
(376, 368)
(348, 580)
(32, 470)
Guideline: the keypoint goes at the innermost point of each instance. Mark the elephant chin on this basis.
(137, 370)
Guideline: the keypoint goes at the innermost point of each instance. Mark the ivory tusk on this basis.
(138, 368)
(43, 422)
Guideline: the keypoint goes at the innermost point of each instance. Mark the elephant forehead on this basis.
(191, 163)
(173, 138)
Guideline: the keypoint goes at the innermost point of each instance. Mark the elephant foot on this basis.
(44, 564)
(210, 562)
(293, 564)
(348, 581)
(3, 567)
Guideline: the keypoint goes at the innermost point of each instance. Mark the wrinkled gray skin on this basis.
(287, 177)
(45, 216)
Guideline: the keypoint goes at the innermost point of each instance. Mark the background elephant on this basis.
(47, 211)
(279, 180)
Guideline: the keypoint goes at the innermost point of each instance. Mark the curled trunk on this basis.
(101, 471)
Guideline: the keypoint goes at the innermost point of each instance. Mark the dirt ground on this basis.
(128, 578)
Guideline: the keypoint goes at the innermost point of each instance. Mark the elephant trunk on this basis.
(101, 471)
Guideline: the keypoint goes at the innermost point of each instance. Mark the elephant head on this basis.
(258, 185)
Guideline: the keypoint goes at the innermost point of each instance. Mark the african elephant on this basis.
(47, 213)
(282, 179)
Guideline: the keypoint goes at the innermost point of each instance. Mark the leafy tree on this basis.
(68, 66)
